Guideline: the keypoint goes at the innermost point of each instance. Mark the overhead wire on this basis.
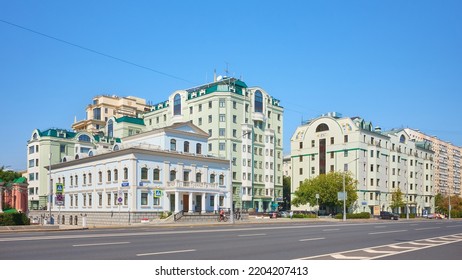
(96, 52)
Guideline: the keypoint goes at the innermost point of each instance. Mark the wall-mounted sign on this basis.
(157, 193)
(125, 184)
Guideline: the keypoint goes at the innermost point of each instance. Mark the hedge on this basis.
(14, 219)
(363, 215)
(404, 216)
(304, 216)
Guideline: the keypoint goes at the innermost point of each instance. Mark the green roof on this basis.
(20, 180)
(127, 119)
(59, 133)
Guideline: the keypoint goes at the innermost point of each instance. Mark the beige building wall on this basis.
(447, 162)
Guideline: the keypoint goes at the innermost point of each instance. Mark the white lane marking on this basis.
(165, 253)
(250, 235)
(385, 232)
(454, 226)
(334, 229)
(421, 244)
(427, 228)
(377, 252)
(402, 247)
(312, 239)
(100, 244)
(340, 256)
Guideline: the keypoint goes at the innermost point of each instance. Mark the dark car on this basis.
(388, 215)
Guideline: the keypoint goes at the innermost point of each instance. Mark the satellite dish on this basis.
(219, 78)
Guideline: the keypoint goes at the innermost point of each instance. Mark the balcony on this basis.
(200, 186)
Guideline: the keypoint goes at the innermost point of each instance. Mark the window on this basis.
(186, 176)
(300, 145)
(191, 110)
(116, 175)
(177, 105)
(125, 173)
(234, 119)
(313, 143)
(222, 103)
(156, 201)
(332, 140)
(200, 121)
(222, 117)
(200, 107)
(156, 174)
(110, 129)
(221, 180)
(144, 173)
(173, 145)
(172, 175)
(210, 104)
(186, 147)
(322, 127)
(221, 146)
(212, 178)
(234, 105)
(109, 176)
(144, 199)
(222, 132)
(198, 177)
(109, 199)
(301, 171)
(258, 102)
(84, 179)
(345, 138)
(210, 118)
(198, 148)
(300, 158)
(100, 199)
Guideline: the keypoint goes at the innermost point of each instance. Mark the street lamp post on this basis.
(344, 192)
(230, 180)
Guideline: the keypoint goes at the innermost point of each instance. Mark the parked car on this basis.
(435, 216)
(388, 215)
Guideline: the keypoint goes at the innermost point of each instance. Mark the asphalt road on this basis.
(412, 240)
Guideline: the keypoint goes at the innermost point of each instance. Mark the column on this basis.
(217, 201)
(203, 210)
(191, 206)
(177, 202)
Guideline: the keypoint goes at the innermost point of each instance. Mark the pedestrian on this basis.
(291, 214)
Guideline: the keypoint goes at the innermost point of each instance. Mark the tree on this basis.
(286, 192)
(327, 186)
(397, 200)
(8, 176)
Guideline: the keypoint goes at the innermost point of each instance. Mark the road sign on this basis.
(59, 197)
(157, 193)
(59, 188)
(119, 200)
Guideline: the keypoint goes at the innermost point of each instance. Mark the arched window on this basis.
(322, 127)
(172, 175)
(173, 145)
(177, 105)
(125, 173)
(258, 102)
(212, 178)
(402, 139)
(198, 148)
(35, 136)
(116, 148)
(156, 174)
(221, 180)
(110, 128)
(109, 177)
(198, 177)
(84, 138)
(144, 173)
(116, 175)
(186, 147)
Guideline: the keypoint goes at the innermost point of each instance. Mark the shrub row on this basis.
(363, 215)
(14, 219)
(304, 216)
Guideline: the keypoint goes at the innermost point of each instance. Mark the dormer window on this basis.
(258, 102)
(177, 105)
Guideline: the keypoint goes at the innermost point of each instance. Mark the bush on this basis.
(363, 215)
(304, 216)
(411, 216)
(165, 215)
(14, 219)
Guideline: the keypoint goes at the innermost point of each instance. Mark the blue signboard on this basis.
(125, 184)
(157, 193)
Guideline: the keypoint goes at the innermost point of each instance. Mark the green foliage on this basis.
(286, 192)
(304, 216)
(14, 219)
(411, 216)
(165, 215)
(363, 215)
(327, 186)
(397, 199)
(8, 176)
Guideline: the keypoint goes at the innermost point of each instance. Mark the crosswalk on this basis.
(382, 251)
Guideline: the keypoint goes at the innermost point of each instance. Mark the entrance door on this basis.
(172, 202)
(198, 203)
(186, 202)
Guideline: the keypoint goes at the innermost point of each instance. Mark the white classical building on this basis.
(162, 170)
(381, 162)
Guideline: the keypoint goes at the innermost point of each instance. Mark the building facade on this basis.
(52, 146)
(163, 170)
(447, 162)
(244, 124)
(380, 162)
(105, 106)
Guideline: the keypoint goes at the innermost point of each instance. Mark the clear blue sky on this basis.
(395, 63)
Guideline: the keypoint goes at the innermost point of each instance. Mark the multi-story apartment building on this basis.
(160, 170)
(245, 125)
(447, 162)
(53, 146)
(106, 106)
(381, 162)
